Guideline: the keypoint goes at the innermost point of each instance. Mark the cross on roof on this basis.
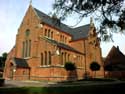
(30, 2)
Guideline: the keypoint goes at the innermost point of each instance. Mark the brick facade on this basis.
(46, 47)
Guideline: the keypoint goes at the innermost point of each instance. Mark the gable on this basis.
(30, 20)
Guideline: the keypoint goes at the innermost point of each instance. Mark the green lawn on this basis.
(89, 89)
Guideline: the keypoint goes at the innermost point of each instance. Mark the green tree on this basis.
(3, 59)
(94, 66)
(109, 13)
(69, 66)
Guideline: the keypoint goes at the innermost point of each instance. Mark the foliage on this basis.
(3, 59)
(109, 13)
(69, 66)
(94, 66)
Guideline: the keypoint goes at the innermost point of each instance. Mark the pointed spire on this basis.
(91, 22)
(30, 2)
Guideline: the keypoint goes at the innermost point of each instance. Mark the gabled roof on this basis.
(76, 33)
(62, 45)
(115, 56)
(19, 62)
(80, 32)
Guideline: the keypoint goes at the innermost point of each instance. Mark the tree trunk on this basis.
(95, 75)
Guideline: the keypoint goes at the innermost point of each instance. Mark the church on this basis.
(43, 46)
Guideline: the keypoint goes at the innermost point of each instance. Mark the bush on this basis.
(2, 81)
(69, 66)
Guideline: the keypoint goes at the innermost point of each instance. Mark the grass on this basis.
(89, 89)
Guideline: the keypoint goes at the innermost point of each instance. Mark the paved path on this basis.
(12, 83)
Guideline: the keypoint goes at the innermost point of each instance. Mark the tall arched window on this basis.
(52, 35)
(49, 33)
(65, 57)
(60, 38)
(29, 49)
(23, 49)
(42, 59)
(63, 38)
(68, 57)
(26, 48)
(45, 33)
(26, 45)
(62, 58)
(49, 58)
(45, 59)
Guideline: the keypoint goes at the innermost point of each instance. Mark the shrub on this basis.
(2, 81)
(69, 66)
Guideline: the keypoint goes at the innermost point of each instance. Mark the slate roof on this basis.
(62, 45)
(76, 33)
(19, 62)
(80, 32)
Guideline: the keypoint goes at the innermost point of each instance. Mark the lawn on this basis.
(84, 89)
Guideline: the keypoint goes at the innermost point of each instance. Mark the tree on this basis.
(69, 66)
(110, 13)
(94, 66)
(3, 59)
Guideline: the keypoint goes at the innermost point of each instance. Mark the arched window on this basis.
(27, 32)
(68, 57)
(65, 57)
(62, 58)
(45, 59)
(29, 49)
(52, 35)
(26, 48)
(45, 33)
(42, 59)
(49, 33)
(49, 58)
(26, 45)
(23, 49)
(65, 40)
(60, 38)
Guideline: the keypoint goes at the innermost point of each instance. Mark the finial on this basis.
(91, 22)
(30, 2)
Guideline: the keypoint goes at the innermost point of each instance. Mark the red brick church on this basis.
(43, 45)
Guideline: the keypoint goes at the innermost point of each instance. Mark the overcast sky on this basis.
(13, 11)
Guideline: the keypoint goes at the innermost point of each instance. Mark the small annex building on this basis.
(114, 63)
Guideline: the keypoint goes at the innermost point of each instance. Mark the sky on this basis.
(13, 11)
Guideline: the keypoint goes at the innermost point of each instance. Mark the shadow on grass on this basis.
(88, 89)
